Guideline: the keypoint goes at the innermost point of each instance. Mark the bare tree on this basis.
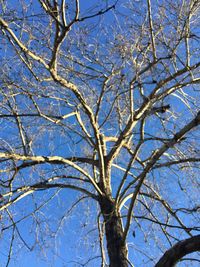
(99, 122)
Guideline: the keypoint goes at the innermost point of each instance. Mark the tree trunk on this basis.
(117, 250)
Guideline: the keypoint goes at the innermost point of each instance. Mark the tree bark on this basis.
(117, 250)
(179, 250)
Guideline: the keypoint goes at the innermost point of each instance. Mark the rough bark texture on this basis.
(182, 248)
(117, 250)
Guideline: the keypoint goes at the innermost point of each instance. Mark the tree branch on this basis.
(176, 138)
(53, 159)
(179, 250)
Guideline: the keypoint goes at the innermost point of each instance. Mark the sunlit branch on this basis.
(151, 29)
(63, 185)
(33, 163)
(88, 136)
(176, 87)
(176, 138)
(51, 10)
(27, 190)
(155, 95)
(91, 116)
(134, 155)
(63, 13)
(54, 159)
(5, 26)
(147, 104)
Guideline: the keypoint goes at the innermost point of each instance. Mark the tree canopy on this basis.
(99, 140)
